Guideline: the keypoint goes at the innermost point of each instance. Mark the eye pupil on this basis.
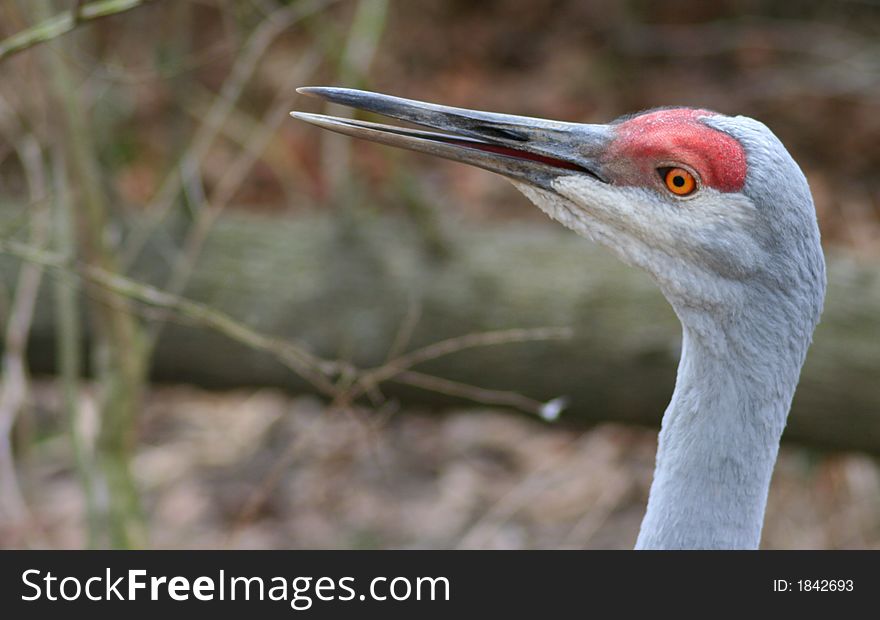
(678, 180)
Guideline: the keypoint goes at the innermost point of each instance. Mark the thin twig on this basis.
(63, 23)
(485, 396)
(120, 361)
(242, 128)
(366, 381)
(68, 342)
(462, 343)
(360, 48)
(405, 330)
(352, 383)
(14, 386)
(77, 11)
(299, 360)
(245, 65)
(233, 177)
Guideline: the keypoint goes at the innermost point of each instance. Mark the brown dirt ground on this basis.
(259, 469)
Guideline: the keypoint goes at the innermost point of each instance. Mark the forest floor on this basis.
(260, 469)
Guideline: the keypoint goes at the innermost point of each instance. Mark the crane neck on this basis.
(719, 440)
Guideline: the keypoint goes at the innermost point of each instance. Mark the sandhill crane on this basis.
(715, 209)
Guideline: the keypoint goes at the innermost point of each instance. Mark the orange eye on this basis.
(679, 181)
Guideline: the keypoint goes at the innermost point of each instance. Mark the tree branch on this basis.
(353, 382)
(63, 23)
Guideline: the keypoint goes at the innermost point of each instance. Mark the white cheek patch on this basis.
(586, 222)
(552, 204)
(674, 226)
(691, 247)
(642, 209)
(568, 213)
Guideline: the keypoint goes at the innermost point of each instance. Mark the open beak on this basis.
(522, 148)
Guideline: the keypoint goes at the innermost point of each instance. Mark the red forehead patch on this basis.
(677, 135)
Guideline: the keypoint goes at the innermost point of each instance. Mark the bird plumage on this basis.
(738, 258)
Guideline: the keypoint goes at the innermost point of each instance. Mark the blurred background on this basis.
(224, 328)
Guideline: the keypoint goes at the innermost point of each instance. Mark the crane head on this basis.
(712, 206)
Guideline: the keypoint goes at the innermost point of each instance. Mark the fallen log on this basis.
(345, 291)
